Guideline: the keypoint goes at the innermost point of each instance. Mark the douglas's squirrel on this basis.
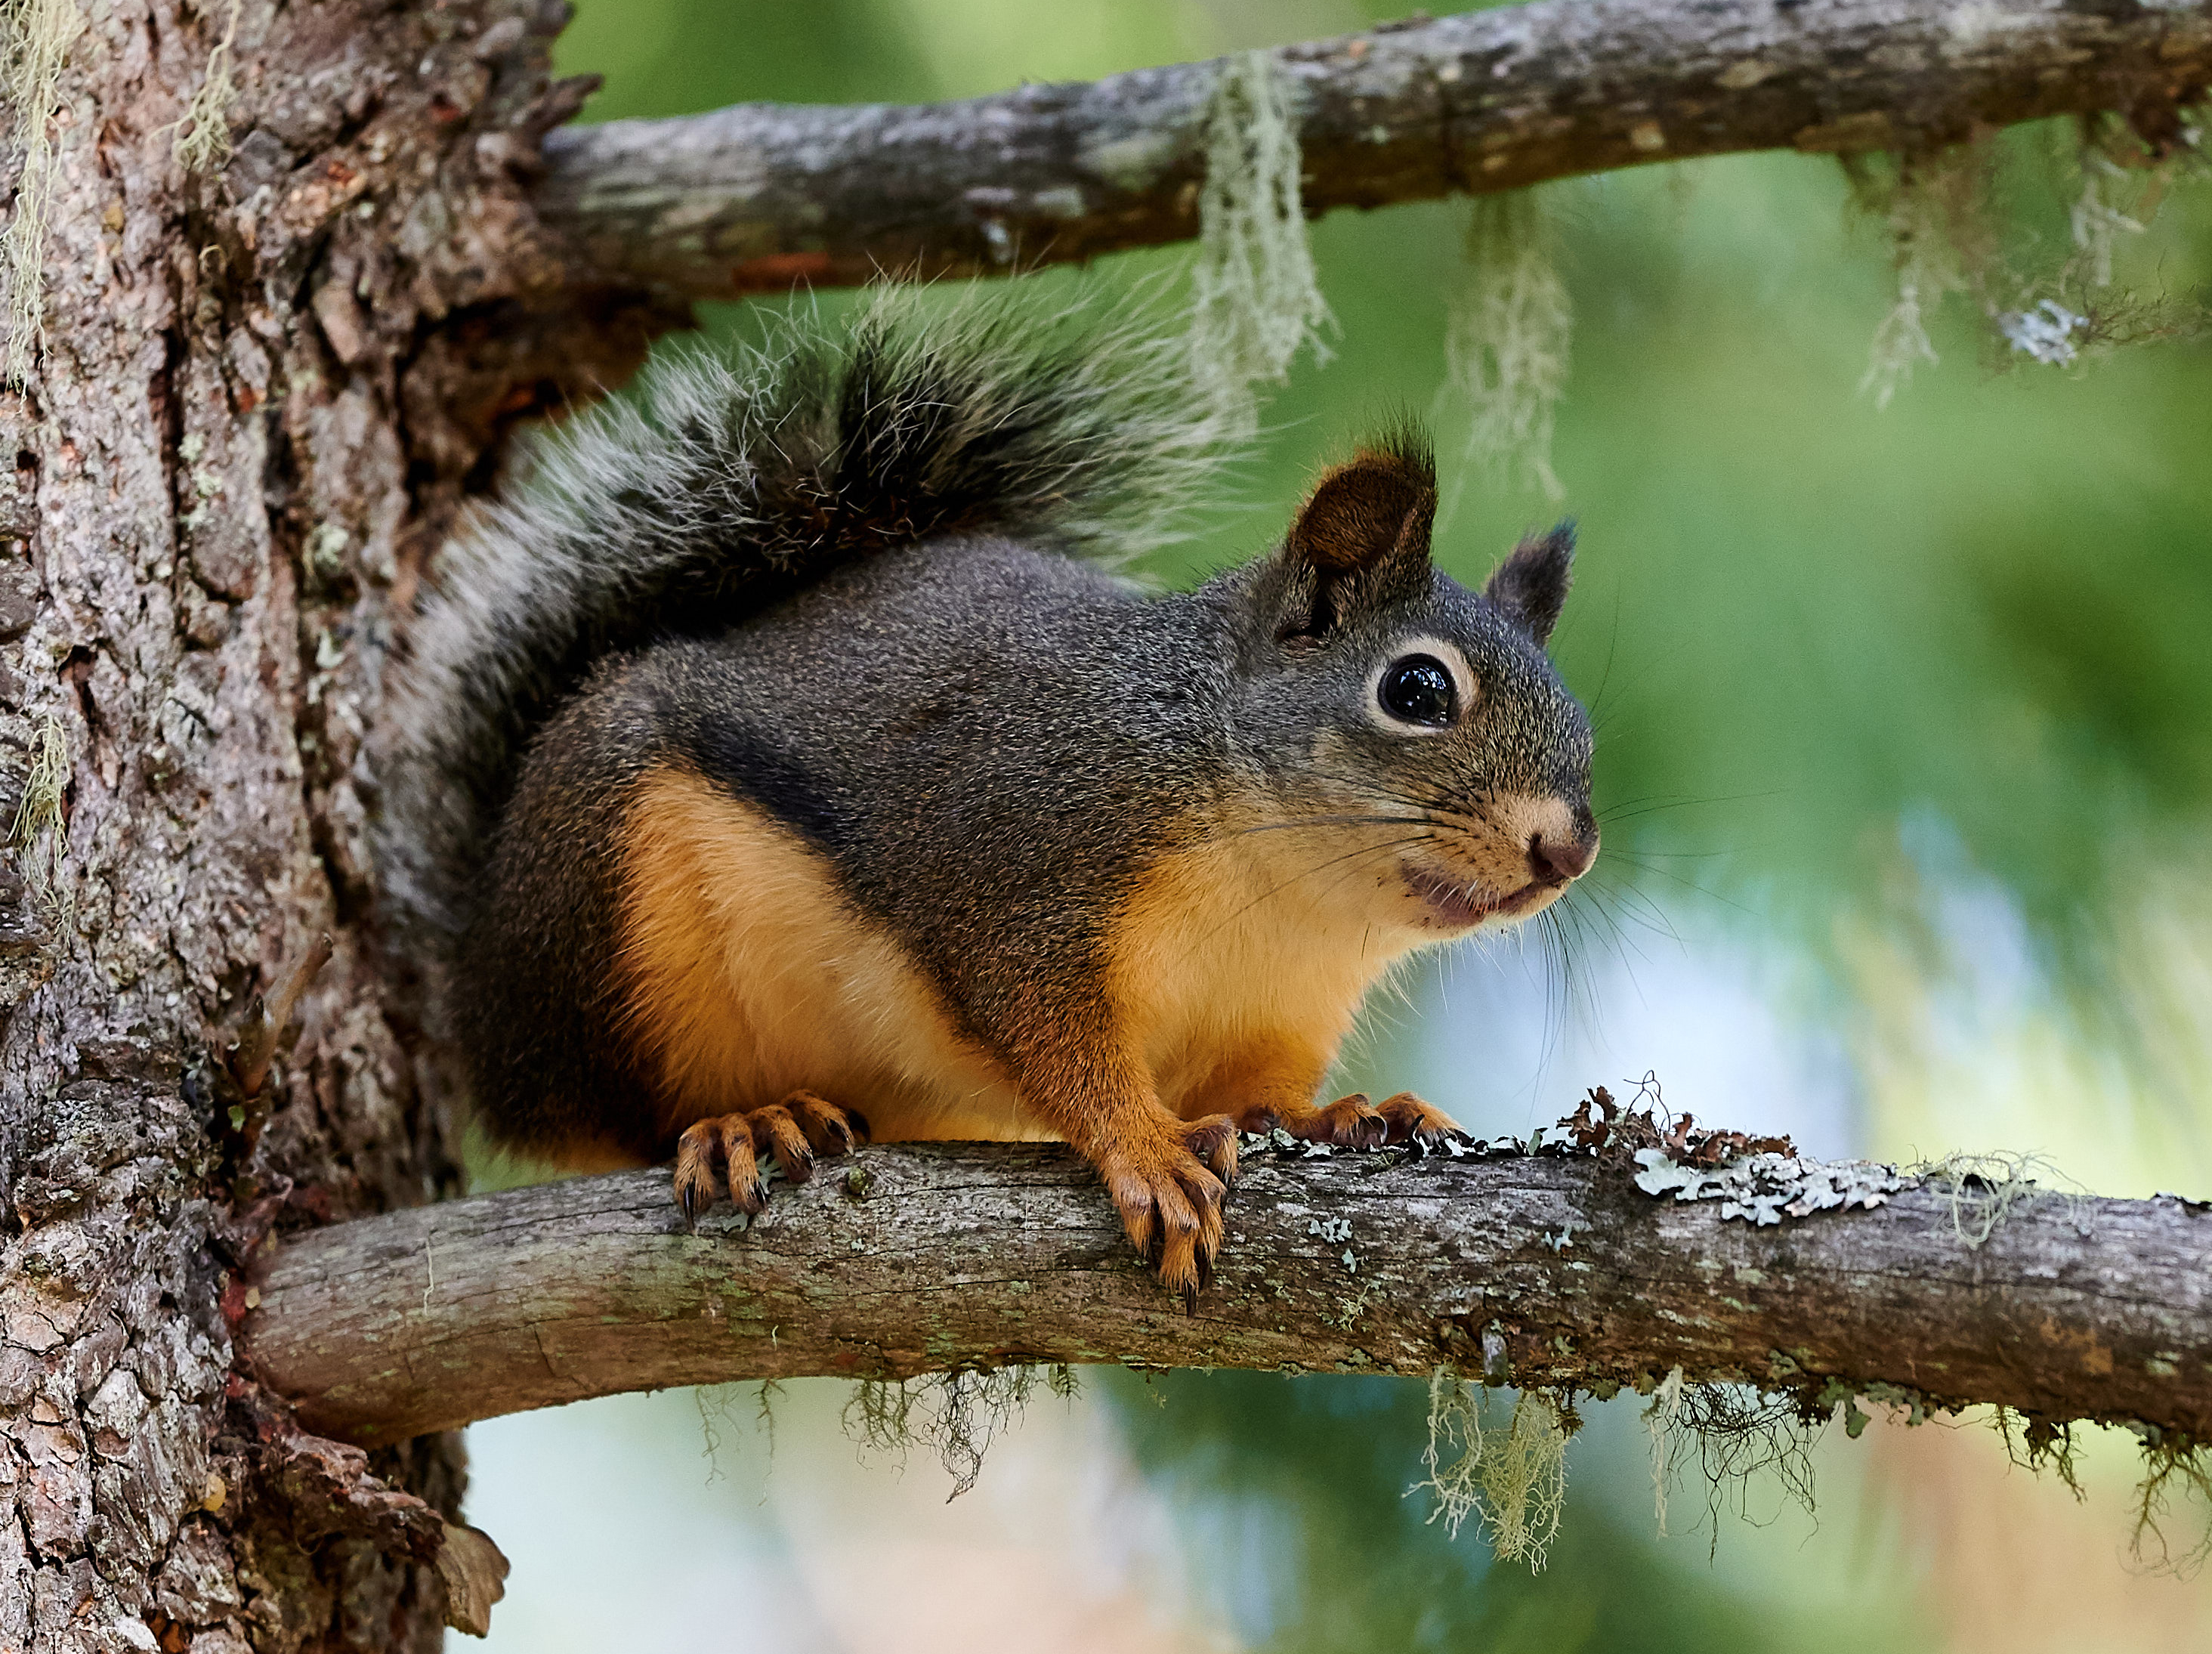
(771, 761)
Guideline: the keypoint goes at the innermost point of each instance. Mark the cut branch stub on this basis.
(764, 196)
(939, 1257)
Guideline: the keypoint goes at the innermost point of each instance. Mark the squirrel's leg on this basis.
(792, 1131)
(1167, 1178)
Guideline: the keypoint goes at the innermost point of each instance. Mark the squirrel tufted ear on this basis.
(1363, 534)
(1531, 585)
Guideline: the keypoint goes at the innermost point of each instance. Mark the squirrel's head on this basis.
(1414, 743)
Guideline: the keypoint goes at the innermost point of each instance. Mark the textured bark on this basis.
(1542, 1270)
(263, 391)
(760, 196)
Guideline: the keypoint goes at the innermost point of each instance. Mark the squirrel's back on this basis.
(731, 481)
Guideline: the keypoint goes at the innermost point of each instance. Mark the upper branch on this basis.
(762, 196)
(1535, 1270)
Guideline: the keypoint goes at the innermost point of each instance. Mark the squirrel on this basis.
(785, 764)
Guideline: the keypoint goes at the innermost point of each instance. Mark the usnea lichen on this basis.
(38, 832)
(1934, 208)
(1510, 1475)
(1255, 300)
(1508, 342)
(203, 140)
(36, 35)
(1945, 237)
(1984, 1187)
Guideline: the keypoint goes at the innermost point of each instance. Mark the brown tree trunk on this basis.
(265, 385)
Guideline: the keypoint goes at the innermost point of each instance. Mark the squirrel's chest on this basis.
(1236, 953)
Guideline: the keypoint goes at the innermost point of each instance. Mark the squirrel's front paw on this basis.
(792, 1131)
(1354, 1122)
(1411, 1120)
(1169, 1191)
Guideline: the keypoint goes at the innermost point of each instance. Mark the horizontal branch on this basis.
(1535, 1270)
(762, 196)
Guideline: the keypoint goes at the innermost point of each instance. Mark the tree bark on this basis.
(265, 388)
(763, 197)
(1531, 1269)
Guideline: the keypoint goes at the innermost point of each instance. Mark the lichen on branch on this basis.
(1509, 342)
(1255, 302)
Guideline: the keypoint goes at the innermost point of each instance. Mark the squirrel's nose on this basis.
(1556, 859)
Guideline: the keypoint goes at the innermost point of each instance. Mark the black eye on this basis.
(1417, 689)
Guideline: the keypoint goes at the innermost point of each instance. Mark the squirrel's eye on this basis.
(1417, 689)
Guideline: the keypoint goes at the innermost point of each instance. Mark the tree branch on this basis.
(1537, 1269)
(762, 197)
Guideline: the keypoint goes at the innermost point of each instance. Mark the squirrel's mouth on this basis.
(1460, 903)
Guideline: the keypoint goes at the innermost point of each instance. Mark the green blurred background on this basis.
(1906, 754)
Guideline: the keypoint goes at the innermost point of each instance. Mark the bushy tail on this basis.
(732, 480)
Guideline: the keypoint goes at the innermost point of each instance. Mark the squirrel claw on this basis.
(1408, 1119)
(1350, 1122)
(792, 1132)
(1169, 1193)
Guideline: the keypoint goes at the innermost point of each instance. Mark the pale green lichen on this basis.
(1764, 1188)
(1946, 238)
(1507, 344)
(1510, 1476)
(36, 35)
(39, 835)
(2098, 218)
(1660, 1417)
(1255, 301)
(1984, 1187)
(203, 140)
(1934, 206)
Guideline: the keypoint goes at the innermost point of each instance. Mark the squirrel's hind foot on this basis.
(791, 1132)
(1170, 1192)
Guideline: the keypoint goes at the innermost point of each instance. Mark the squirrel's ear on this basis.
(1362, 535)
(1531, 585)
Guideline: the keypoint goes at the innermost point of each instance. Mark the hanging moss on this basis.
(39, 834)
(1945, 237)
(1935, 207)
(1255, 300)
(1512, 1477)
(957, 1415)
(2173, 1467)
(203, 142)
(36, 35)
(1507, 344)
